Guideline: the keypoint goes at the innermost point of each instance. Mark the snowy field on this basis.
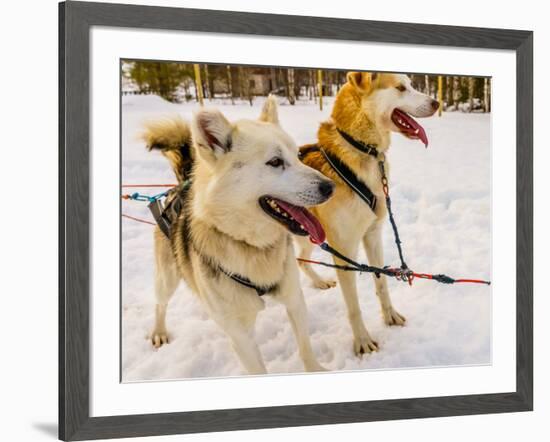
(441, 198)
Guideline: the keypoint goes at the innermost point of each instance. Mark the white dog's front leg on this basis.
(297, 314)
(242, 339)
(373, 247)
(290, 294)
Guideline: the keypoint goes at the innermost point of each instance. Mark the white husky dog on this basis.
(231, 237)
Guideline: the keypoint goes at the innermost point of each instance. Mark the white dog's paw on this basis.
(324, 284)
(393, 317)
(315, 366)
(364, 344)
(159, 338)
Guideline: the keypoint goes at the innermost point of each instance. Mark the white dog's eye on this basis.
(276, 162)
(401, 88)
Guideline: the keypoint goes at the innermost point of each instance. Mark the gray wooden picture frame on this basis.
(75, 21)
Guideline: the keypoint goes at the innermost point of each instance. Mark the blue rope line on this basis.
(151, 199)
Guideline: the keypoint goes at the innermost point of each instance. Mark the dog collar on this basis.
(240, 279)
(260, 290)
(369, 149)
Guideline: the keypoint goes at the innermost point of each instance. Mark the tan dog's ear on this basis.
(270, 113)
(363, 81)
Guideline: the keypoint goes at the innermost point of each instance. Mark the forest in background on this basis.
(179, 82)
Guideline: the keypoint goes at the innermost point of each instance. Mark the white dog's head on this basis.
(391, 100)
(256, 187)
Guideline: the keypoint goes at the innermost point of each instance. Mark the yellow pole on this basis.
(198, 83)
(440, 93)
(320, 86)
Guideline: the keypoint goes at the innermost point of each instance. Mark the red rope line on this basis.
(475, 281)
(412, 275)
(149, 185)
(138, 219)
(310, 261)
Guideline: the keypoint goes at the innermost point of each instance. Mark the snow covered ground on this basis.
(441, 197)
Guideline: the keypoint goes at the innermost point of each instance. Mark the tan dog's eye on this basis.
(401, 88)
(275, 162)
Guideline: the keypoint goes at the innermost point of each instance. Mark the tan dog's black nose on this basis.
(326, 188)
(435, 105)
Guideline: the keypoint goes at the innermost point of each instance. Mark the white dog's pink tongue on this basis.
(310, 224)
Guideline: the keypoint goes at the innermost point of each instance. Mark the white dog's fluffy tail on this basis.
(172, 136)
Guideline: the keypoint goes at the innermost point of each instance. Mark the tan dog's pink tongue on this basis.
(306, 219)
(414, 130)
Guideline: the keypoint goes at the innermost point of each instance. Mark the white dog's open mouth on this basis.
(408, 126)
(296, 219)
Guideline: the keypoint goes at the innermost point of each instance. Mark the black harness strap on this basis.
(166, 214)
(390, 212)
(353, 181)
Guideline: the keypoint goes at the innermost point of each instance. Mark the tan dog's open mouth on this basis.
(408, 126)
(296, 219)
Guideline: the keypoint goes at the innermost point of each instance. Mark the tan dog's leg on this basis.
(305, 247)
(362, 342)
(373, 247)
(166, 281)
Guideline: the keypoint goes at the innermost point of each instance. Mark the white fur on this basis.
(228, 224)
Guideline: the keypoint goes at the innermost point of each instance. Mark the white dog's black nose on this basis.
(326, 188)
(435, 105)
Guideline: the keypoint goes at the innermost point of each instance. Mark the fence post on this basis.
(198, 83)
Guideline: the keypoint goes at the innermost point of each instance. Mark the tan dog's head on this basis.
(391, 102)
(255, 188)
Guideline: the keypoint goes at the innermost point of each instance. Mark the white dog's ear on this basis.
(363, 81)
(270, 114)
(211, 134)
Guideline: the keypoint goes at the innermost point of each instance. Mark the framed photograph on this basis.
(271, 221)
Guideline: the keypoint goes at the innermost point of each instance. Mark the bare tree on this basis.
(208, 86)
(427, 84)
(229, 83)
(440, 93)
(449, 91)
(273, 78)
(244, 84)
(471, 84)
(312, 95)
(320, 87)
(456, 90)
(290, 86)
(486, 105)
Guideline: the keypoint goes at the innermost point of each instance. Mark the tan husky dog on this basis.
(231, 239)
(367, 109)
